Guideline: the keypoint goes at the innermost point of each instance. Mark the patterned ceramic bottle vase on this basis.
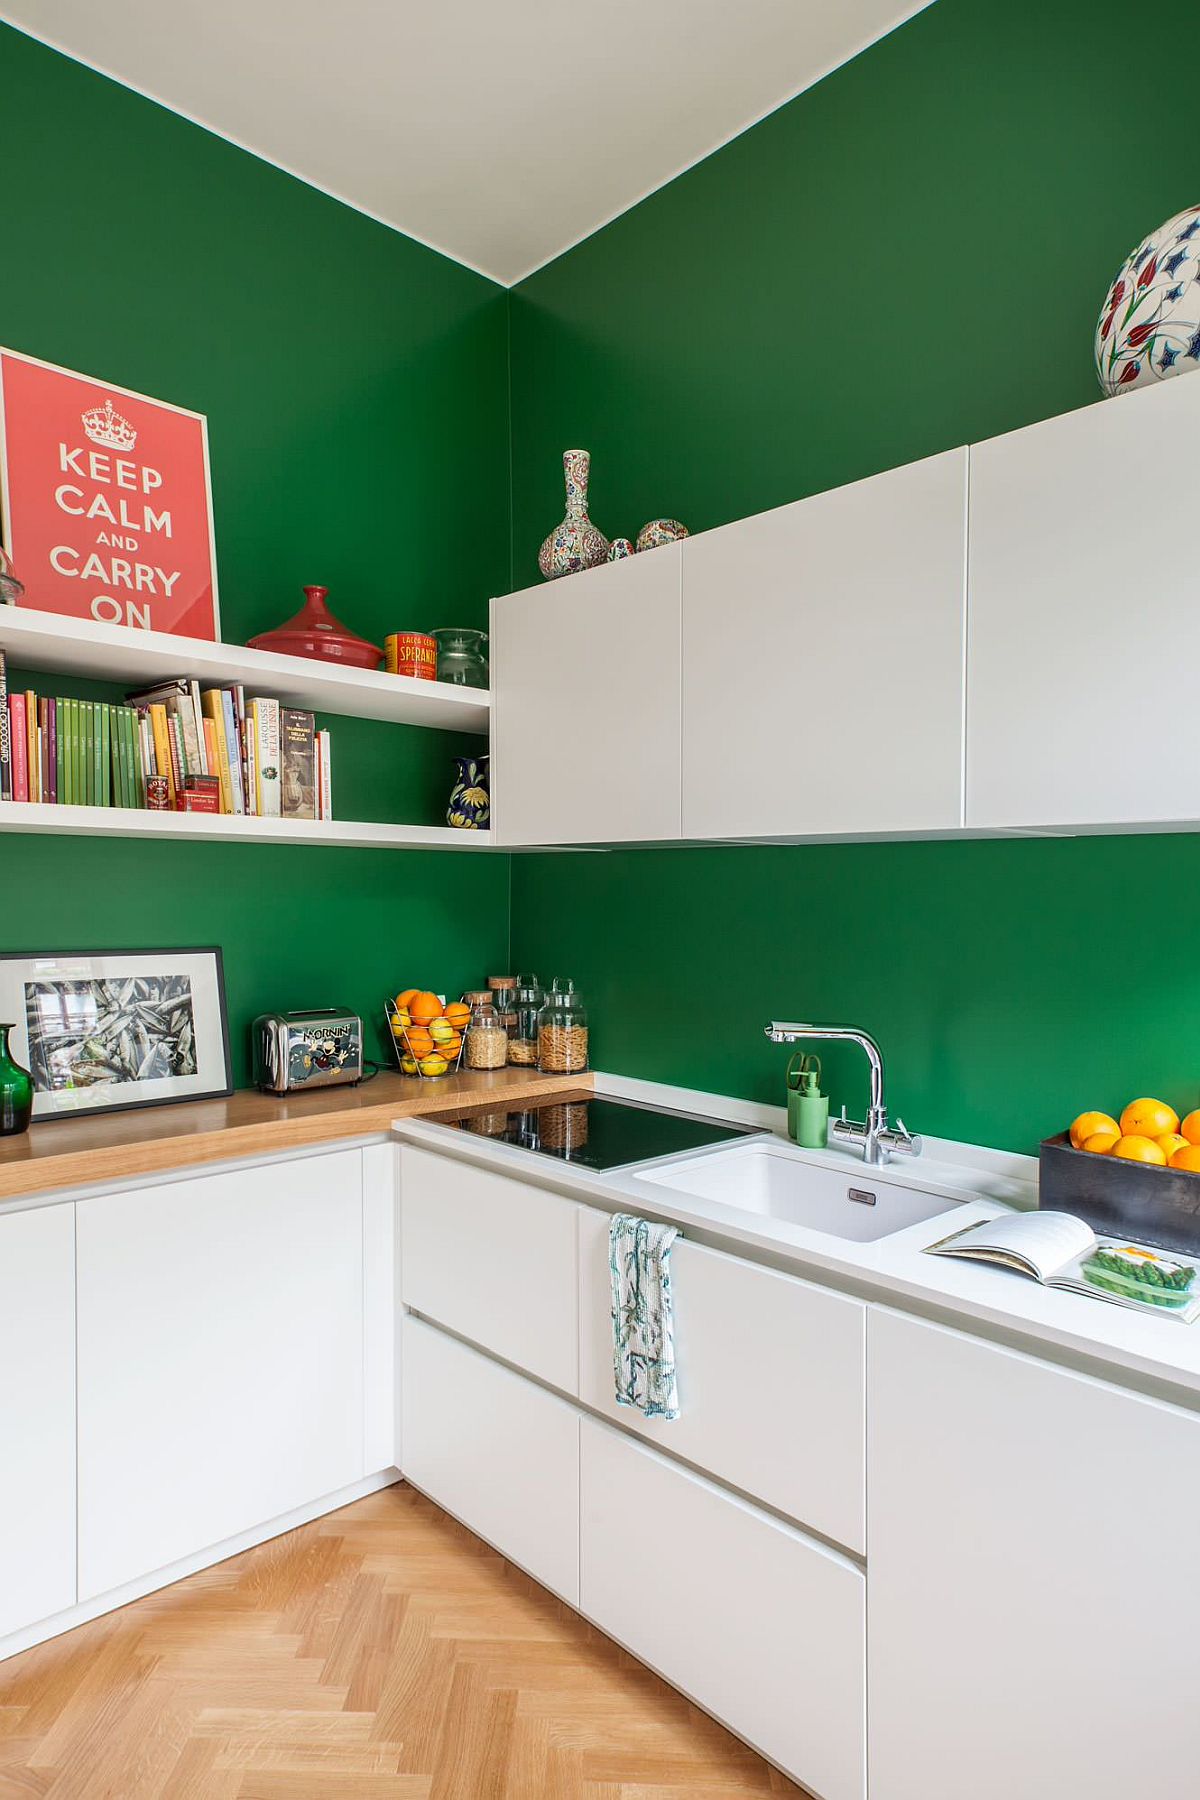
(469, 808)
(576, 543)
(16, 1090)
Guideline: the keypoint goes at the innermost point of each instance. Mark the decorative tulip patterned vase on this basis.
(660, 531)
(470, 807)
(619, 549)
(1150, 325)
(576, 543)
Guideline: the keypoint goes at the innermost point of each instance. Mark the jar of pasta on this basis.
(563, 1031)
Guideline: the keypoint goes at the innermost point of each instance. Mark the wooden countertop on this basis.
(62, 1153)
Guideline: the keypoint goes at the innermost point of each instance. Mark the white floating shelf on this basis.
(122, 653)
(119, 821)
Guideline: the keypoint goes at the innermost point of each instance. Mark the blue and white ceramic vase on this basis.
(575, 544)
(470, 805)
(1149, 325)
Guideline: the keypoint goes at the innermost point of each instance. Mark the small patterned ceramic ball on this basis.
(1149, 327)
(660, 531)
(620, 547)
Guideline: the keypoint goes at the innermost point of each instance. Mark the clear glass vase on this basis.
(16, 1090)
(462, 657)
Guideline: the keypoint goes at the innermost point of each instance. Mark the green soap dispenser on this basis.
(808, 1107)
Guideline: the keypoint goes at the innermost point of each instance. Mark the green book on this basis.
(124, 773)
(114, 757)
(85, 753)
(95, 747)
(129, 741)
(60, 749)
(105, 772)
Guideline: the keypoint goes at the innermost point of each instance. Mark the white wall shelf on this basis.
(121, 653)
(120, 821)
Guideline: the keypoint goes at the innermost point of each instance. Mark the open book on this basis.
(1062, 1252)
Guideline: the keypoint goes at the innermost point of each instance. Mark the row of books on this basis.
(173, 746)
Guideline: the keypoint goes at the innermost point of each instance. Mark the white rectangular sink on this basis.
(763, 1176)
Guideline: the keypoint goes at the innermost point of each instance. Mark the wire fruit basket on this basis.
(426, 1049)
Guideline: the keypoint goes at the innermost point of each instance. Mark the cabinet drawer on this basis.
(771, 1380)
(492, 1259)
(756, 1623)
(499, 1453)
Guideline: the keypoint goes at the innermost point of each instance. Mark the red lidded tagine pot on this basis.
(314, 631)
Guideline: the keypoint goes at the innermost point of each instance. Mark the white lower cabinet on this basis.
(495, 1450)
(1034, 1564)
(793, 1434)
(758, 1624)
(492, 1259)
(37, 1415)
(220, 1358)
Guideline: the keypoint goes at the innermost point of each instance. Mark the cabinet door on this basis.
(1085, 632)
(822, 662)
(799, 1358)
(220, 1358)
(495, 1450)
(492, 1259)
(761, 1626)
(585, 706)
(37, 1415)
(1034, 1567)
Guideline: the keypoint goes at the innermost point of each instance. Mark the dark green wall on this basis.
(356, 391)
(908, 257)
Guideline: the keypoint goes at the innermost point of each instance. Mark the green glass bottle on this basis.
(16, 1090)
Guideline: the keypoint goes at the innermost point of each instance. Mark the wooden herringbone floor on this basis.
(382, 1653)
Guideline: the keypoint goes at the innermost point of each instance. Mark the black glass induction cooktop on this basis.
(591, 1133)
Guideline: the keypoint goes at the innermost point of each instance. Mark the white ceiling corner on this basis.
(498, 134)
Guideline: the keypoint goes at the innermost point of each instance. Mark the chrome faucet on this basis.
(873, 1136)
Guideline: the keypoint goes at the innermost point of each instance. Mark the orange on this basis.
(1100, 1142)
(1191, 1127)
(425, 1007)
(1148, 1118)
(1169, 1143)
(450, 1046)
(459, 1014)
(1187, 1158)
(407, 997)
(1139, 1149)
(419, 1042)
(1089, 1123)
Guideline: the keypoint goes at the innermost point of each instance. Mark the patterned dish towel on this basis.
(643, 1326)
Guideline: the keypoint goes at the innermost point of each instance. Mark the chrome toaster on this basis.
(298, 1050)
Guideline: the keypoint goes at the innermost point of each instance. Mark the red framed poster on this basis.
(105, 501)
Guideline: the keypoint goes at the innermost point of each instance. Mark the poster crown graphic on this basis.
(104, 425)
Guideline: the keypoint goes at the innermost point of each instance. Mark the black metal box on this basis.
(1119, 1198)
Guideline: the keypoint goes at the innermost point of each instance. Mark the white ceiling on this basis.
(499, 131)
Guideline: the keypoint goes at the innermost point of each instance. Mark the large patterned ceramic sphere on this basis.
(1149, 327)
(657, 532)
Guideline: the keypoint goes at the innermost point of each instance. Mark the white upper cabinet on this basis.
(823, 662)
(1084, 618)
(585, 727)
(37, 1415)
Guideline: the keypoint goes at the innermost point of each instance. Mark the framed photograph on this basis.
(105, 1031)
(106, 501)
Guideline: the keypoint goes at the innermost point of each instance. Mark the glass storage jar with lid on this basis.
(487, 1039)
(523, 1035)
(563, 1031)
(462, 657)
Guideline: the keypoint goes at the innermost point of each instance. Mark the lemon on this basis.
(1100, 1142)
(408, 1065)
(441, 1031)
(1148, 1118)
(1089, 1123)
(437, 1065)
(1139, 1149)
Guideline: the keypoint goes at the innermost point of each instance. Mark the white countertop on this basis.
(1156, 1355)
